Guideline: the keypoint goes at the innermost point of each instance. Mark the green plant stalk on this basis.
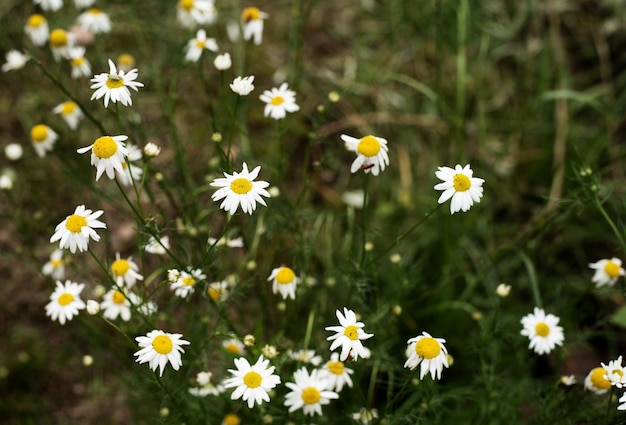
(532, 277)
(609, 221)
(309, 328)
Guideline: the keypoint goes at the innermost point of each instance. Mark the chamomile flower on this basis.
(14, 60)
(226, 241)
(284, 280)
(94, 20)
(125, 271)
(185, 284)
(159, 246)
(365, 416)
(607, 272)
(305, 356)
(197, 45)
(252, 24)
(543, 331)
(70, 112)
(218, 291)
(52, 5)
(107, 155)
(460, 185)
(76, 230)
(196, 12)
(430, 352)
(234, 346)
(55, 266)
(80, 65)
(65, 301)
(242, 86)
(125, 62)
(279, 101)
(309, 392)
(240, 189)
(37, 29)
(205, 386)
(132, 173)
(60, 43)
(115, 304)
(348, 336)
(596, 381)
(252, 383)
(337, 374)
(615, 373)
(222, 62)
(43, 138)
(114, 85)
(158, 348)
(371, 153)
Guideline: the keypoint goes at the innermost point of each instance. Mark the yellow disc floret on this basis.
(335, 367)
(39, 133)
(231, 419)
(285, 276)
(612, 269)
(120, 267)
(75, 223)
(104, 147)
(68, 107)
(36, 20)
(252, 379)
(277, 100)
(250, 14)
(427, 348)
(65, 299)
(542, 329)
(351, 332)
(185, 4)
(598, 380)
(118, 297)
(368, 146)
(461, 182)
(162, 344)
(241, 186)
(311, 395)
(58, 38)
(114, 81)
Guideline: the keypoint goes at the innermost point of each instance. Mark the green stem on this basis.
(532, 277)
(610, 222)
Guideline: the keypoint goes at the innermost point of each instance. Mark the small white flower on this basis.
(252, 24)
(218, 291)
(185, 284)
(61, 42)
(234, 346)
(151, 150)
(70, 112)
(430, 352)
(37, 29)
(82, 4)
(93, 307)
(125, 271)
(107, 154)
(240, 189)
(55, 266)
(80, 65)
(43, 139)
(542, 330)
(242, 86)
(116, 304)
(371, 153)
(615, 373)
(76, 230)
(460, 185)
(196, 12)
(197, 45)
(305, 356)
(95, 21)
(65, 301)
(337, 373)
(365, 416)
(158, 348)
(607, 272)
(279, 101)
(15, 60)
(132, 173)
(226, 241)
(284, 280)
(252, 382)
(114, 85)
(348, 336)
(309, 392)
(52, 5)
(205, 386)
(222, 62)
(13, 151)
(158, 247)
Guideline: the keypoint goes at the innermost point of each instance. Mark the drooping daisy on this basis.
(234, 346)
(115, 304)
(14, 60)
(543, 331)
(197, 45)
(252, 24)
(371, 153)
(242, 86)
(222, 62)
(37, 29)
(70, 112)
(132, 173)
(80, 65)
(365, 416)
(107, 155)
(284, 280)
(125, 271)
(52, 5)
(94, 20)
(240, 189)
(43, 138)
(196, 12)
(459, 185)
(185, 284)
(597, 381)
(309, 392)
(305, 356)
(607, 272)
(159, 246)
(114, 85)
(279, 101)
(65, 301)
(158, 348)
(218, 291)
(60, 43)
(252, 383)
(348, 336)
(337, 373)
(75, 231)
(615, 373)
(55, 267)
(428, 351)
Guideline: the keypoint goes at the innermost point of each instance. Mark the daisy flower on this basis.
(125, 271)
(125, 62)
(159, 246)
(95, 21)
(197, 45)
(615, 373)
(205, 386)
(428, 351)
(14, 60)
(196, 12)
(348, 336)
(114, 85)
(75, 231)
(252, 383)
(115, 304)
(284, 280)
(55, 266)
(37, 29)
(234, 346)
(43, 138)
(218, 291)
(279, 101)
(107, 154)
(81, 4)
(242, 86)
(459, 185)
(132, 173)
(607, 272)
(252, 24)
(222, 62)
(305, 356)
(543, 331)
(60, 43)
(309, 392)
(337, 374)
(184, 285)
(226, 241)
(365, 416)
(371, 153)
(240, 189)
(80, 65)
(65, 301)
(70, 112)
(596, 381)
(158, 348)
(151, 150)
(52, 5)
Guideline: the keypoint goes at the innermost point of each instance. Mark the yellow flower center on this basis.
(68, 108)
(232, 348)
(542, 329)
(214, 293)
(56, 263)
(250, 14)
(120, 267)
(126, 60)
(461, 182)
(368, 146)
(118, 297)
(200, 44)
(77, 61)
(94, 11)
(311, 395)
(162, 344)
(241, 186)
(104, 147)
(114, 81)
(285, 276)
(612, 269)
(65, 299)
(252, 379)
(427, 348)
(75, 223)
(351, 332)
(231, 419)
(36, 20)
(598, 380)
(58, 38)
(277, 100)
(335, 367)
(185, 4)
(189, 281)
(39, 133)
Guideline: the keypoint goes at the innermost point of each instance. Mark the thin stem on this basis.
(532, 277)
(610, 222)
